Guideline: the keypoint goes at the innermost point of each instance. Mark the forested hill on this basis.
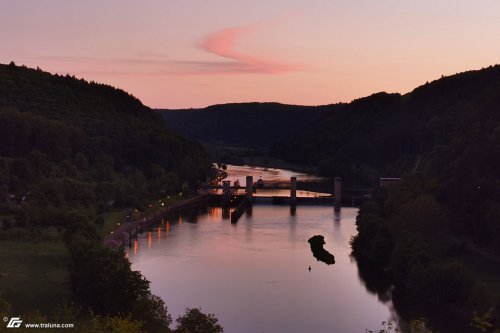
(58, 131)
(437, 232)
(250, 125)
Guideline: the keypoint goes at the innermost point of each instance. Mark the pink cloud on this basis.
(222, 44)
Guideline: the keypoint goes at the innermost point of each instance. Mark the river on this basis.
(254, 275)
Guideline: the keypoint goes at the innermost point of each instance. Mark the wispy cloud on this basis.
(222, 43)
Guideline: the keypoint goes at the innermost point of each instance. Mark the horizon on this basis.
(193, 54)
(257, 102)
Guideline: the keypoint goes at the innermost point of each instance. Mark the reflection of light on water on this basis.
(159, 232)
(136, 246)
(167, 229)
(214, 212)
(150, 238)
(214, 215)
(180, 219)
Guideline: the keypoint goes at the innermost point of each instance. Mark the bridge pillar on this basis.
(249, 197)
(337, 193)
(249, 187)
(226, 193)
(293, 191)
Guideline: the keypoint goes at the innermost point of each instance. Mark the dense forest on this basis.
(70, 151)
(249, 125)
(443, 139)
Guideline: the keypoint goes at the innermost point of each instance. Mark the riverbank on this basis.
(128, 230)
(426, 261)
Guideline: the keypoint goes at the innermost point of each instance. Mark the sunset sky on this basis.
(194, 53)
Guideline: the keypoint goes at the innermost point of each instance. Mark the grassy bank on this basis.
(34, 274)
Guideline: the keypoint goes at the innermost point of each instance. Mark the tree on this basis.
(195, 321)
(152, 310)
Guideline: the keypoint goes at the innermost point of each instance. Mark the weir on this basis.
(228, 199)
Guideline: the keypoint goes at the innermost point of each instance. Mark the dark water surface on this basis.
(254, 275)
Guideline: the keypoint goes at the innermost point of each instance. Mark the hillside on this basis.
(249, 125)
(436, 234)
(55, 127)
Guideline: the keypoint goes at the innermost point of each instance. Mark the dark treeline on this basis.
(249, 125)
(71, 150)
(233, 132)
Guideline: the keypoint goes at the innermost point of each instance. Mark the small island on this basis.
(316, 242)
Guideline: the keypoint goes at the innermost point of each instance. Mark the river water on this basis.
(254, 275)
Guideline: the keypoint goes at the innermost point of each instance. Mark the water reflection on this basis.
(225, 213)
(253, 275)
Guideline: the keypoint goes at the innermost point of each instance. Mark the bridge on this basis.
(224, 196)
